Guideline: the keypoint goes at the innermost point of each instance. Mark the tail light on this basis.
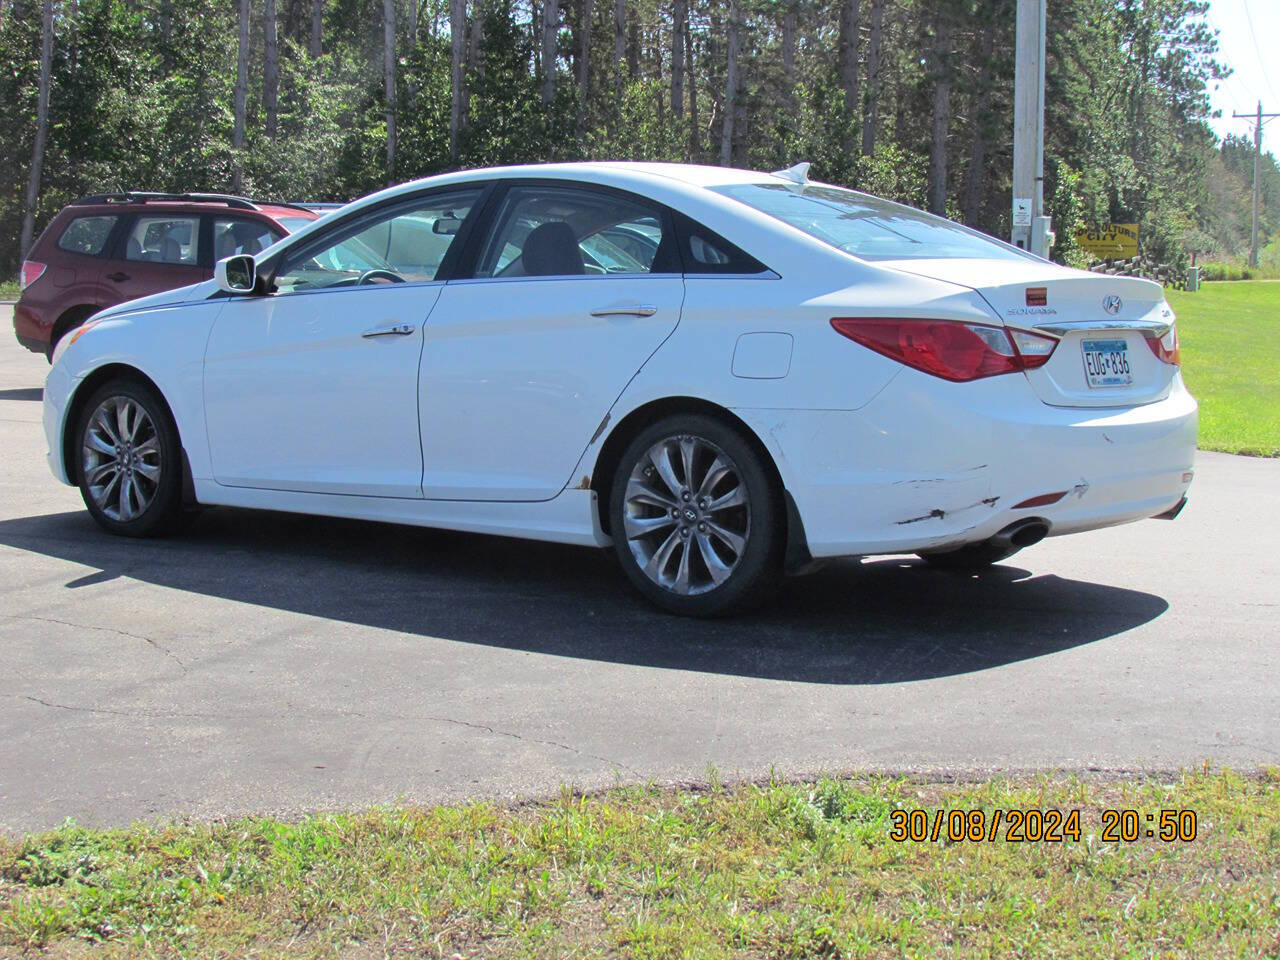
(31, 272)
(949, 349)
(1166, 348)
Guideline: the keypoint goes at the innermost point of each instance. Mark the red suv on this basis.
(109, 248)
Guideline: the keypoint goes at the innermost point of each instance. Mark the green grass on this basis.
(1230, 335)
(778, 871)
(9, 290)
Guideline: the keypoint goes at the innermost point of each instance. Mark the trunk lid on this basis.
(1103, 324)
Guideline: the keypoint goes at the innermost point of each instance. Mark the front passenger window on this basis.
(407, 243)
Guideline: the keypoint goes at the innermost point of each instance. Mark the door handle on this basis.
(391, 330)
(637, 310)
(117, 276)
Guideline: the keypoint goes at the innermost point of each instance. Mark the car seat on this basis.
(551, 250)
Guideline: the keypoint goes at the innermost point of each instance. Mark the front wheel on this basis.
(696, 518)
(129, 463)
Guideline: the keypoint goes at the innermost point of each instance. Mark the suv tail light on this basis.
(1166, 348)
(31, 272)
(947, 348)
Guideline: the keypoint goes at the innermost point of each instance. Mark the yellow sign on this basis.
(1115, 241)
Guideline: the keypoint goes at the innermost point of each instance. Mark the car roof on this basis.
(186, 203)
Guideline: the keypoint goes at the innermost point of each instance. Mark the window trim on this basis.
(270, 268)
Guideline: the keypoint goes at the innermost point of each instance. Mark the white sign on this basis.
(1022, 211)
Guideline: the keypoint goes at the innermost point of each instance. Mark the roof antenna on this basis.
(797, 174)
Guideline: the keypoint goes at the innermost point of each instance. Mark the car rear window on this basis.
(866, 226)
(87, 235)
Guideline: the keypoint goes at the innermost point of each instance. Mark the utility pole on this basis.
(1258, 120)
(1030, 225)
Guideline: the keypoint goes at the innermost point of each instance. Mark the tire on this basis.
(73, 318)
(974, 556)
(702, 560)
(128, 460)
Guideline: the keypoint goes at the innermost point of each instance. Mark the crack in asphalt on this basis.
(336, 715)
(123, 633)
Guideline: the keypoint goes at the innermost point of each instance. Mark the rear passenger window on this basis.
(164, 240)
(87, 235)
(554, 231)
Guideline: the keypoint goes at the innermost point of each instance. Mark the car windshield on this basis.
(865, 226)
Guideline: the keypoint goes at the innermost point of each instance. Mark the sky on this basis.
(1248, 31)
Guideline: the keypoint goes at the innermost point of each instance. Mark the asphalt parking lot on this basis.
(272, 663)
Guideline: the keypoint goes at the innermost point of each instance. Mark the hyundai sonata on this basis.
(722, 375)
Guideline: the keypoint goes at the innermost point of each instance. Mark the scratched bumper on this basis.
(930, 464)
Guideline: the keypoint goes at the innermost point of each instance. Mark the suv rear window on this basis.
(87, 235)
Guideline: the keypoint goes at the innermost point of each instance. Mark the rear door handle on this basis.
(117, 276)
(391, 330)
(636, 310)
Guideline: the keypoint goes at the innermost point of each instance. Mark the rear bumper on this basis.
(30, 329)
(930, 465)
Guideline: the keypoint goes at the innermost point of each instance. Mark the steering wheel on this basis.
(377, 273)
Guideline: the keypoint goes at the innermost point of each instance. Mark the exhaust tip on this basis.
(1024, 533)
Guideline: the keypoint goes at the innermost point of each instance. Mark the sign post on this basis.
(1028, 128)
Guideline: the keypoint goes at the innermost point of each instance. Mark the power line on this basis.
(1253, 35)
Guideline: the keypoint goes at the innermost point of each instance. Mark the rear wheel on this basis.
(128, 460)
(975, 556)
(696, 518)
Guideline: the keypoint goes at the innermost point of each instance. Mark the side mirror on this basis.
(236, 275)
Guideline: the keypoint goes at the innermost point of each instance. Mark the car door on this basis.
(525, 356)
(160, 251)
(314, 387)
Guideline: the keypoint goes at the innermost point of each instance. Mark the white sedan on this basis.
(722, 375)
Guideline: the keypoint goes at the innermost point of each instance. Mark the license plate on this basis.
(1106, 363)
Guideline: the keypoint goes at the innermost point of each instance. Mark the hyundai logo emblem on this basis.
(1112, 304)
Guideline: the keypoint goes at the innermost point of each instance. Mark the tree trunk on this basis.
(847, 53)
(42, 131)
(584, 63)
(633, 46)
(619, 45)
(847, 67)
(695, 135)
(458, 44)
(475, 37)
(413, 24)
(731, 85)
(317, 22)
(242, 96)
(789, 54)
(941, 113)
(978, 150)
(389, 81)
(550, 34)
(679, 37)
(270, 69)
(871, 114)
(166, 23)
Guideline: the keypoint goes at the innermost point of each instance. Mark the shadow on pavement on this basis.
(882, 621)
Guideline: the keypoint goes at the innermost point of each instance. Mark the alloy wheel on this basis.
(686, 515)
(121, 459)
